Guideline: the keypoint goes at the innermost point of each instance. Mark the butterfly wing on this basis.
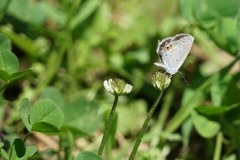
(174, 52)
(161, 50)
(162, 44)
(186, 41)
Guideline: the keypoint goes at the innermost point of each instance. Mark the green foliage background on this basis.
(65, 49)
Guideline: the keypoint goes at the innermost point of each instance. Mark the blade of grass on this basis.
(7, 4)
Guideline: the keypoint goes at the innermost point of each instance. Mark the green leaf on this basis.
(205, 126)
(211, 110)
(25, 112)
(186, 128)
(2, 110)
(46, 128)
(18, 149)
(4, 75)
(227, 28)
(30, 150)
(46, 111)
(188, 8)
(238, 28)
(142, 56)
(231, 157)
(217, 90)
(87, 155)
(3, 87)
(20, 152)
(225, 36)
(223, 72)
(215, 9)
(8, 62)
(20, 74)
(84, 12)
(233, 114)
(30, 12)
(232, 93)
(5, 43)
(224, 90)
(82, 115)
(4, 154)
(23, 42)
(218, 38)
(1, 144)
(54, 94)
(190, 99)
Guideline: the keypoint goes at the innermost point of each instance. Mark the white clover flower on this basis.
(108, 86)
(117, 87)
(160, 81)
(127, 89)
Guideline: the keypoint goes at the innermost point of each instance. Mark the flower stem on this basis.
(106, 131)
(144, 127)
(165, 109)
(218, 147)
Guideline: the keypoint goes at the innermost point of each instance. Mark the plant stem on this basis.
(218, 147)
(106, 131)
(165, 108)
(26, 137)
(144, 127)
(163, 114)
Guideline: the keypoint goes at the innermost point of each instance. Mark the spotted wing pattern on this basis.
(173, 52)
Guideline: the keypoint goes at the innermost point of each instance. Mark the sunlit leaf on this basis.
(210, 10)
(233, 115)
(54, 94)
(20, 152)
(87, 155)
(20, 74)
(4, 75)
(25, 112)
(8, 62)
(82, 115)
(211, 110)
(84, 12)
(206, 127)
(238, 28)
(46, 128)
(46, 111)
(5, 44)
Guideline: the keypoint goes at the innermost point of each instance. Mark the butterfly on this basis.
(173, 51)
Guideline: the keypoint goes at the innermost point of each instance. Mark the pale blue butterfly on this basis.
(173, 51)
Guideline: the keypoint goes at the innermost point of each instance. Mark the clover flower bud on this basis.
(160, 80)
(117, 86)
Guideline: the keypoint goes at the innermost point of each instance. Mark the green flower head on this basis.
(160, 80)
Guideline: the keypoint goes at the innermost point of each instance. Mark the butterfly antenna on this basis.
(183, 77)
